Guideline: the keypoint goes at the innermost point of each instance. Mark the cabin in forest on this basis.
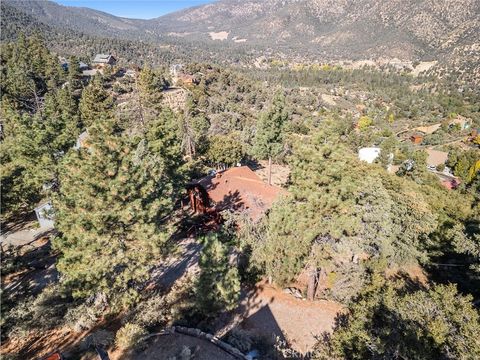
(236, 189)
(101, 60)
(44, 213)
(416, 139)
(186, 79)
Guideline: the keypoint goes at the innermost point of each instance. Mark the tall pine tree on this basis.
(218, 285)
(115, 195)
(268, 141)
(95, 102)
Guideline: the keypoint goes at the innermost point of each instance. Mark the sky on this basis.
(137, 9)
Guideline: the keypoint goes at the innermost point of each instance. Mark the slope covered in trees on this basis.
(299, 30)
(354, 230)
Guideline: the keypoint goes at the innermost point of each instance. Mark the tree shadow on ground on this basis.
(17, 223)
(455, 269)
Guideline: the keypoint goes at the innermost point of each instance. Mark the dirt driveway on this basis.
(268, 311)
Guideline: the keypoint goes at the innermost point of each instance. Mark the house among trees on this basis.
(416, 139)
(44, 213)
(101, 60)
(428, 129)
(83, 66)
(236, 189)
(186, 79)
(64, 63)
(81, 141)
(91, 72)
(369, 154)
(462, 122)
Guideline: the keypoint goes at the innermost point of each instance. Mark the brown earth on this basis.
(166, 347)
(280, 173)
(268, 311)
(39, 344)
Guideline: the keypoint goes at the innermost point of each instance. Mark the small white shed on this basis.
(45, 215)
(369, 154)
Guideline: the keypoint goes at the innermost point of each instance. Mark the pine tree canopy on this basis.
(268, 141)
(218, 285)
(111, 210)
(392, 322)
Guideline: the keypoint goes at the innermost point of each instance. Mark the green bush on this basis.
(441, 167)
(130, 336)
(82, 317)
(150, 313)
(42, 312)
(364, 122)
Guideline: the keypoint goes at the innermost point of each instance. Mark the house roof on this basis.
(92, 72)
(369, 154)
(428, 129)
(239, 188)
(186, 77)
(436, 157)
(102, 58)
(450, 184)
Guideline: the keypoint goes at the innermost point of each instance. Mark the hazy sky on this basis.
(139, 9)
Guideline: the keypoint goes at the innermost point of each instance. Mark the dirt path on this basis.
(268, 311)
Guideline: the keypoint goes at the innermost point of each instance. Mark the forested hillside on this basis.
(172, 201)
(441, 31)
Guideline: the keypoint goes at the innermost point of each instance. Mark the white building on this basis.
(45, 215)
(81, 140)
(369, 154)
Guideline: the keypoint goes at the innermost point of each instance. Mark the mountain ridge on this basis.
(323, 30)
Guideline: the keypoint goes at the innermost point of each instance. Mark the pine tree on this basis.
(393, 322)
(218, 285)
(341, 210)
(74, 73)
(95, 102)
(268, 141)
(32, 147)
(193, 128)
(225, 150)
(114, 198)
(22, 174)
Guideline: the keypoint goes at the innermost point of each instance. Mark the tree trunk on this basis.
(312, 283)
(322, 283)
(270, 170)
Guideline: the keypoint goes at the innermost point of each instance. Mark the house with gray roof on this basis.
(101, 60)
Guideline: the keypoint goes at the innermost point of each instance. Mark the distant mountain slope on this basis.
(80, 19)
(325, 30)
(336, 28)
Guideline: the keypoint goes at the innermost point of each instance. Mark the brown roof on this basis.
(239, 188)
(430, 129)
